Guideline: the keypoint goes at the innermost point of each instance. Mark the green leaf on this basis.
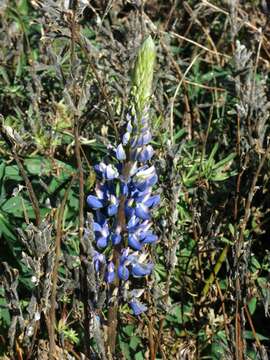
(232, 229)
(225, 161)
(175, 315)
(4, 74)
(2, 170)
(129, 330)
(23, 7)
(212, 75)
(217, 350)
(249, 336)
(134, 342)
(18, 206)
(14, 206)
(4, 313)
(5, 229)
(252, 305)
(179, 134)
(12, 173)
(220, 177)
(38, 166)
(255, 265)
(20, 65)
(226, 241)
(73, 200)
(139, 356)
(213, 153)
(125, 350)
(64, 174)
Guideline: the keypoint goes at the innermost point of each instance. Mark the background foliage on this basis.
(64, 85)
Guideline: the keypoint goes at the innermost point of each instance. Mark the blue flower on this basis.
(148, 237)
(134, 242)
(116, 236)
(120, 153)
(126, 184)
(94, 202)
(145, 177)
(99, 259)
(137, 307)
(110, 274)
(102, 233)
(139, 270)
(142, 139)
(145, 154)
(108, 172)
(152, 201)
(123, 272)
(142, 211)
(113, 205)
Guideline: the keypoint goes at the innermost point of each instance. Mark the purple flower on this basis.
(152, 201)
(94, 202)
(120, 152)
(116, 236)
(145, 154)
(108, 172)
(98, 259)
(102, 233)
(142, 211)
(148, 237)
(142, 139)
(113, 205)
(110, 275)
(137, 307)
(139, 270)
(125, 188)
(123, 272)
(134, 242)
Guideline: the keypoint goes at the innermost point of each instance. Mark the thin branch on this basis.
(59, 228)
(28, 184)
(197, 44)
(101, 85)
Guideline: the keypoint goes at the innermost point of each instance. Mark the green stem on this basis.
(215, 271)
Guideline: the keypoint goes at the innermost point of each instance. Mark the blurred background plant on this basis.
(64, 85)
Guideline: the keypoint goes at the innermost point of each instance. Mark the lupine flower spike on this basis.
(123, 198)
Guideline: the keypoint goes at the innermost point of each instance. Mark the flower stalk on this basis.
(123, 201)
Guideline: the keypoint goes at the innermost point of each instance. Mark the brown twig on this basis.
(101, 85)
(239, 242)
(58, 237)
(29, 187)
(206, 33)
(221, 296)
(162, 321)
(83, 254)
(83, 280)
(257, 340)
(31, 192)
(151, 339)
(173, 34)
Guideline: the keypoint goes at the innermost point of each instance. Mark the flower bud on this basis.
(143, 75)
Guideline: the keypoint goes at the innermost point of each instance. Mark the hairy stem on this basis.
(113, 309)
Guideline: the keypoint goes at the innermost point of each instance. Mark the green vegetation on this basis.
(65, 85)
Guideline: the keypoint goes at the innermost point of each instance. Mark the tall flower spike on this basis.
(123, 199)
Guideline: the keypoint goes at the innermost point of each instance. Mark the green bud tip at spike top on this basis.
(143, 72)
